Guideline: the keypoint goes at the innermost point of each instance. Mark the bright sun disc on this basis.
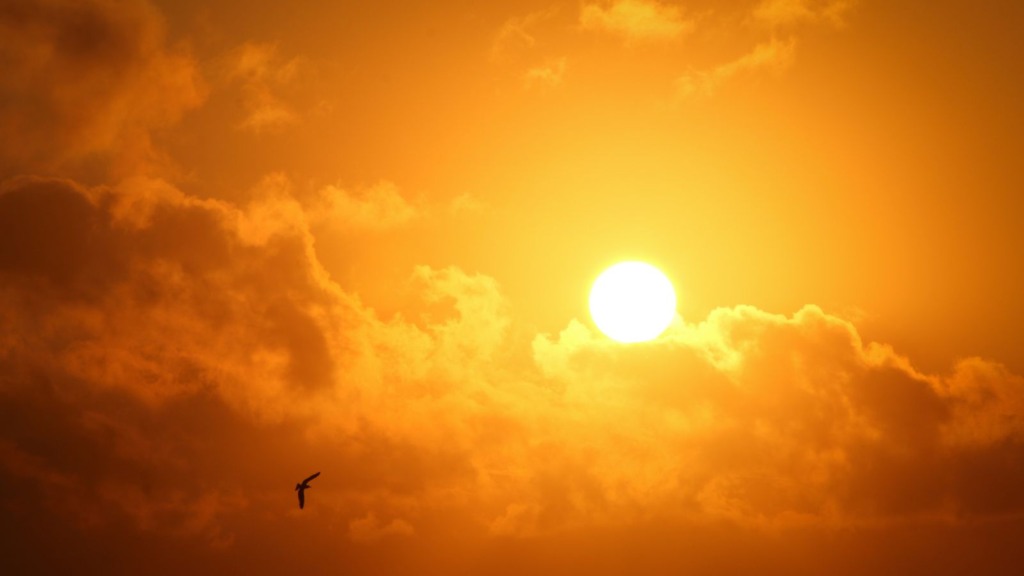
(632, 302)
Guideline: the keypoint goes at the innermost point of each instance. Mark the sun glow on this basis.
(632, 302)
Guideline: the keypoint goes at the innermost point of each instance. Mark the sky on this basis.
(244, 242)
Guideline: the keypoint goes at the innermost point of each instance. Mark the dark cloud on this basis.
(54, 236)
(85, 84)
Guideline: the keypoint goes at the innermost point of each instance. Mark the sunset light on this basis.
(512, 287)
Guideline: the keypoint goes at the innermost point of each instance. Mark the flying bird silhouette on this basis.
(301, 489)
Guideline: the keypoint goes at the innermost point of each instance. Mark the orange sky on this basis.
(243, 243)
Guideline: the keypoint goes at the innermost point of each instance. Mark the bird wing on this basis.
(302, 499)
(310, 478)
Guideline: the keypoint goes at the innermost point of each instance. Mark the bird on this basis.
(301, 489)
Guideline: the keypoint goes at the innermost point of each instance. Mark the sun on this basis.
(632, 302)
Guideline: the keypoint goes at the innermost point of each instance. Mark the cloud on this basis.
(521, 47)
(171, 365)
(987, 404)
(378, 207)
(546, 76)
(636, 20)
(261, 72)
(773, 56)
(518, 34)
(87, 80)
(466, 204)
(778, 13)
(369, 529)
(776, 420)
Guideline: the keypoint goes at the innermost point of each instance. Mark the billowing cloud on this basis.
(132, 341)
(639, 20)
(88, 80)
(766, 419)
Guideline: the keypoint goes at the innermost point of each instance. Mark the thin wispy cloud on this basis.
(261, 72)
(780, 13)
(636, 20)
(772, 57)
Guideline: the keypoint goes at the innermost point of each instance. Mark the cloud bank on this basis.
(128, 341)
